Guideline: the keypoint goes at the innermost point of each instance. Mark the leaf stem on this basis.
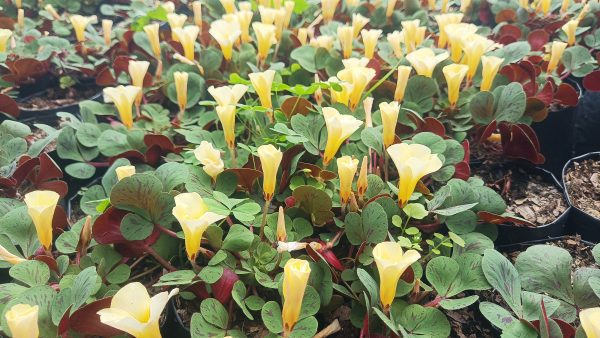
(160, 259)
(264, 219)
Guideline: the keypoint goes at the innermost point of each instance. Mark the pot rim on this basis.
(593, 154)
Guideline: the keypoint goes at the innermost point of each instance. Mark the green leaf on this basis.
(510, 102)
(415, 210)
(211, 274)
(423, 321)
(88, 134)
(315, 202)
(454, 210)
(456, 304)
(420, 91)
(136, 228)
(373, 138)
(80, 170)
(119, 274)
(214, 312)
(200, 328)
(271, 317)
(180, 277)
(370, 227)
(496, 314)
(370, 285)
(172, 174)
(84, 287)
(503, 277)
(519, 329)
(596, 251)
(239, 238)
(112, 143)
(482, 107)
(32, 273)
(441, 273)
(42, 296)
(434, 142)
(238, 293)
(306, 327)
(305, 56)
(311, 302)
(462, 223)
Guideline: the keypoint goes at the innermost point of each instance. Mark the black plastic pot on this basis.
(174, 325)
(587, 124)
(524, 245)
(581, 222)
(44, 115)
(510, 234)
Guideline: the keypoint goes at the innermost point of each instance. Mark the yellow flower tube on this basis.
(544, 6)
(151, 31)
(280, 16)
(245, 18)
(262, 82)
(389, 10)
(197, 10)
(187, 37)
(281, 232)
(194, 217)
(169, 6)
(474, 47)
(424, 60)
(176, 20)
(339, 128)
(5, 35)
(557, 49)
(123, 97)
(210, 158)
(443, 20)
(362, 184)
(80, 23)
(228, 5)
(270, 159)
(21, 18)
(346, 37)
(370, 38)
(389, 119)
(342, 96)
(226, 116)
(570, 28)
(490, 67)
(359, 75)
(403, 74)
(40, 206)
(125, 171)
(454, 74)
(181, 82)
(409, 28)
(289, 10)
(391, 262)
(358, 23)
(395, 39)
(590, 321)
(22, 321)
(328, 9)
(347, 167)
(228, 95)
(19, 4)
(265, 38)
(107, 31)
(456, 34)
(133, 311)
(245, 6)
(465, 5)
(413, 161)
(295, 278)
(267, 15)
(137, 72)
(302, 35)
(322, 41)
(9, 257)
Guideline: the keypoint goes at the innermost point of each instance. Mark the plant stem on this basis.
(166, 231)
(264, 219)
(233, 157)
(142, 274)
(386, 162)
(161, 260)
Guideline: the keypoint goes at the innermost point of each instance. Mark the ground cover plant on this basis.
(289, 168)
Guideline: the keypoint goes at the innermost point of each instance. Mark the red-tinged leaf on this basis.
(467, 148)
(59, 221)
(486, 132)
(50, 261)
(536, 109)
(222, 288)
(60, 187)
(566, 95)
(591, 81)
(462, 170)
(507, 14)
(433, 125)
(105, 78)
(107, 227)
(26, 69)
(286, 165)
(520, 142)
(546, 95)
(246, 177)
(375, 64)
(567, 329)
(121, 64)
(132, 155)
(408, 275)
(332, 259)
(153, 155)
(537, 39)
(199, 289)
(296, 105)
(555, 25)
(163, 142)
(9, 106)
(488, 217)
(48, 169)
(507, 39)
(87, 321)
(536, 60)
(316, 171)
(511, 30)
(25, 167)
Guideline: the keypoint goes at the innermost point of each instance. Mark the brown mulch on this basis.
(58, 97)
(582, 182)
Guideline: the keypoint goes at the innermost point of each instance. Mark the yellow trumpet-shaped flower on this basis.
(339, 128)
(403, 74)
(176, 20)
(133, 311)
(5, 35)
(544, 6)
(395, 39)
(197, 10)
(328, 9)
(40, 206)
(123, 97)
(22, 320)
(228, 95)
(194, 217)
(151, 31)
(262, 82)
(368, 108)
(490, 67)
(413, 161)
(474, 46)
(80, 23)
(342, 96)
(391, 262)
(270, 159)
(169, 6)
(391, 5)
(346, 37)
(245, 18)
(187, 37)
(457, 33)
(267, 15)
(570, 28)
(19, 4)
(557, 50)
(370, 38)
(281, 231)
(107, 31)
(210, 158)
(358, 75)
(50, 9)
(583, 12)
(358, 23)
(590, 321)
(302, 35)
(431, 5)
(228, 5)
(226, 116)
(411, 32)
(289, 10)
(362, 184)
(295, 279)
(454, 75)
(424, 60)
(137, 72)
(389, 119)
(181, 82)
(280, 17)
(21, 18)
(346, 171)
(524, 4)
(6, 256)
(465, 5)
(322, 41)
(125, 171)
(265, 38)
(245, 6)
(443, 20)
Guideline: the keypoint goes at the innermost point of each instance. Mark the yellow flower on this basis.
(395, 39)
(107, 30)
(368, 108)
(342, 96)
(153, 37)
(137, 72)
(133, 311)
(262, 82)
(583, 12)
(302, 35)
(229, 6)
(227, 117)
(443, 20)
(210, 158)
(345, 36)
(431, 4)
(524, 4)
(391, 4)
(289, 10)
(5, 35)
(358, 23)
(464, 5)
(391, 262)
(194, 217)
(456, 33)
(590, 321)
(21, 18)
(50, 9)
(454, 75)
(339, 128)
(245, 6)
(125, 171)
(420, 35)
(389, 119)
(169, 6)
(228, 95)
(197, 9)
(544, 6)
(370, 38)
(181, 82)
(413, 161)
(267, 15)
(22, 320)
(346, 170)
(187, 37)
(403, 74)
(474, 47)
(491, 65)
(281, 232)
(176, 20)
(322, 41)
(362, 183)
(280, 17)
(6, 256)
(558, 47)
(570, 28)
(358, 75)
(265, 38)
(18, 3)
(80, 23)
(270, 158)
(123, 97)
(40, 206)
(424, 60)
(295, 278)
(410, 31)
(245, 18)
(328, 9)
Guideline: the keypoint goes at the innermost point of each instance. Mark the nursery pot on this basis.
(587, 124)
(174, 326)
(49, 114)
(510, 234)
(522, 246)
(581, 222)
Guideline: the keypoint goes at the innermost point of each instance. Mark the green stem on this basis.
(378, 83)
(264, 219)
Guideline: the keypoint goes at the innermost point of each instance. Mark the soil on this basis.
(58, 97)
(470, 323)
(582, 182)
(528, 196)
(580, 251)
(39, 134)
